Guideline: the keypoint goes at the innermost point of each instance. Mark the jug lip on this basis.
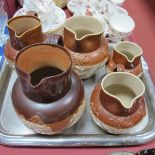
(11, 19)
(127, 74)
(44, 44)
(131, 43)
(73, 17)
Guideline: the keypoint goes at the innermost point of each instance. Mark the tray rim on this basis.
(89, 140)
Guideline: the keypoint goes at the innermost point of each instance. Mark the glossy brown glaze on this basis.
(92, 58)
(113, 105)
(114, 120)
(11, 53)
(24, 31)
(49, 112)
(80, 37)
(37, 56)
(88, 64)
(37, 125)
(86, 45)
(121, 59)
(117, 62)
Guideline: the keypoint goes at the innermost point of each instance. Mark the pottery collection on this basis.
(48, 94)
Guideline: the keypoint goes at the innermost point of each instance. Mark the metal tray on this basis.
(84, 133)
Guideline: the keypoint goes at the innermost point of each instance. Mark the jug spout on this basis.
(45, 76)
(81, 36)
(24, 30)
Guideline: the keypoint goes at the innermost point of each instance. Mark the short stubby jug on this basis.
(126, 57)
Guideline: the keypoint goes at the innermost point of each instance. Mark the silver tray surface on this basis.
(84, 133)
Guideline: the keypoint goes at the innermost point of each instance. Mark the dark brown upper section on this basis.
(38, 56)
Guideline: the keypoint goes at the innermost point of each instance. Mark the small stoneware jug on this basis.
(118, 105)
(83, 38)
(47, 96)
(126, 57)
(23, 31)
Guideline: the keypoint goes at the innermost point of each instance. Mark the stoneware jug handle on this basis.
(55, 39)
(120, 68)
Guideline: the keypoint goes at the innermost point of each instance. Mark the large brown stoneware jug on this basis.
(23, 31)
(47, 96)
(83, 38)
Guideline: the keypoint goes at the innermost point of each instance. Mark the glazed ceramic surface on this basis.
(87, 47)
(80, 36)
(10, 52)
(118, 104)
(126, 57)
(120, 27)
(46, 88)
(125, 88)
(24, 30)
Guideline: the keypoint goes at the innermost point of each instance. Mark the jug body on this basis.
(118, 104)
(83, 38)
(47, 96)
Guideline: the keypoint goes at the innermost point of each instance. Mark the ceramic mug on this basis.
(126, 57)
(120, 27)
